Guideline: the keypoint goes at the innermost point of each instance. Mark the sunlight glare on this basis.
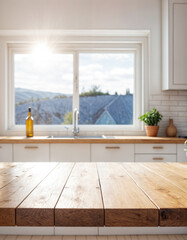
(41, 52)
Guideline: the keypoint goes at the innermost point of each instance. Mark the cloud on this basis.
(114, 80)
(112, 72)
(55, 74)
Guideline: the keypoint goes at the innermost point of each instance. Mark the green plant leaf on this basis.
(151, 118)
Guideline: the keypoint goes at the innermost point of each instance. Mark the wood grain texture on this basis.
(132, 193)
(12, 172)
(5, 165)
(16, 191)
(170, 199)
(125, 204)
(81, 203)
(112, 139)
(38, 208)
(178, 168)
(165, 171)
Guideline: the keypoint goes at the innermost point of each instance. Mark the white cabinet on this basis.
(174, 39)
(5, 152)
(69, 152)
(155, 152)
(31, 152)
(181, 154)
(112, 152)
(63, 152)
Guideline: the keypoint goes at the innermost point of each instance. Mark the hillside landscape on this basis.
(56, 108)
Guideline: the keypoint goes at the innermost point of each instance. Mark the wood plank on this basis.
(125, 204)
(183, 164)
(81, 203)
(15, 192)
(163, 170)
(14, 171)
(4, 166)
(180, 168)
(38, 208)
(171, 200)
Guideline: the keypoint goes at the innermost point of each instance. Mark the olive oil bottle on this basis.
(29, 124)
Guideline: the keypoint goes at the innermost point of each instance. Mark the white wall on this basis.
(89, 14)
(102, 14)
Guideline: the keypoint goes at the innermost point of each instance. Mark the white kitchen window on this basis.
(104, 79)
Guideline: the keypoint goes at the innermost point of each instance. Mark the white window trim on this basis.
(137, 41)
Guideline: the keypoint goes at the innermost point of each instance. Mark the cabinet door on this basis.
(70, 152)
(112, 152)
(5, 152)
(155, 158)
(174, 38)
(179, 44)
(181, 154)
(31, 152)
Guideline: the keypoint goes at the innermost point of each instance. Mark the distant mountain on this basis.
(22, 95)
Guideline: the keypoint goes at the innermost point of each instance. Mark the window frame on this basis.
(138, 44)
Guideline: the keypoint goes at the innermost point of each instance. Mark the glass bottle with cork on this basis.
(29, 124)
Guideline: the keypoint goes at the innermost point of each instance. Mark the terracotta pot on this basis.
(171, 130)
(151, 131)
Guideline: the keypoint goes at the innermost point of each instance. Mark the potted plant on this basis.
(151, 119)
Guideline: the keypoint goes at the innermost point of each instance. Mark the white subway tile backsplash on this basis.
(155, 103)
(178, 109)
(160, 97)
(178, 98)
(182, 93)
(183, 103)
(171, 104)
(163, 108)
(170, 93)
(169, 114)
(182, 114)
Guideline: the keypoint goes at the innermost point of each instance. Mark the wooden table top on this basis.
(107, 140)
(93, 194)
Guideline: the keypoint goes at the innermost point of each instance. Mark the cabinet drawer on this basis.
(155, 158)
(31, 152)
(155, 148)
(5, 152)
(70, 152)
(112, 152)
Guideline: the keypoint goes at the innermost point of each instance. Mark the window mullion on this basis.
(76, 81)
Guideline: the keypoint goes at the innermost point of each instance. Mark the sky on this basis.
(112, 72)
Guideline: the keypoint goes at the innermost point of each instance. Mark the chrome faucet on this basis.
(75, 130)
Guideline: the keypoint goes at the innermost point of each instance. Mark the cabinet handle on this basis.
(160, 147)
(113, 147)
(31, 147)
(158, 159)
